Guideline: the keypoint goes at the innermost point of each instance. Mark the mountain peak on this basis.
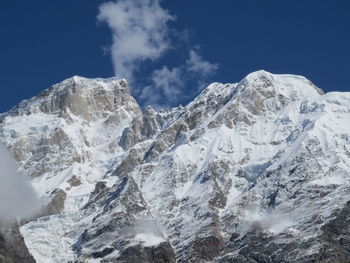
(112, 82)
(284, 83)
(90, 98)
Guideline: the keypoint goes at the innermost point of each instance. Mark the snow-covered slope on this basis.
(256, 171)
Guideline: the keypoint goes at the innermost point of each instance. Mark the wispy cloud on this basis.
(142, 32)
(169, 86)
(196, 64)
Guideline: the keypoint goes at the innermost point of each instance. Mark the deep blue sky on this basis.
(44, 42)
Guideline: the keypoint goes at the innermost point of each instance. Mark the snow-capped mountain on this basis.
(256, 171)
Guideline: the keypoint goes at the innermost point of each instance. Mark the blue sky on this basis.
(199, 41)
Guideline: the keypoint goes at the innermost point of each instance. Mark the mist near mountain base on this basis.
(17, 198)
(147, 225)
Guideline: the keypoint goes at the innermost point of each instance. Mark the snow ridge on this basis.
(245, 171)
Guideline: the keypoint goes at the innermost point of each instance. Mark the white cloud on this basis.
(196, 64)
(170, 81)
(18, 199)
(169, 85)
(140, 32)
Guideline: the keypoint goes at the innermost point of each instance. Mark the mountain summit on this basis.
(256, 171)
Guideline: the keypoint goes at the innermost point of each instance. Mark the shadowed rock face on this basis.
(12, 246)
(256, 171)
(333, 239)
(138, 254)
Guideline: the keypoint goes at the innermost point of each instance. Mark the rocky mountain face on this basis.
(12, 246)
(256, 171)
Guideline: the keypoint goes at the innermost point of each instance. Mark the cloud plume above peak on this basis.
(142, 32)
(171, 84)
